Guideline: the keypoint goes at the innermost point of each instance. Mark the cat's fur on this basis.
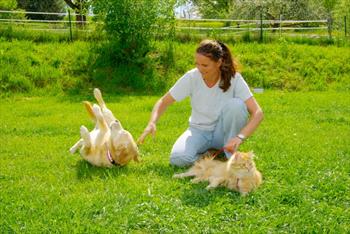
(108, 143)
(239, 173)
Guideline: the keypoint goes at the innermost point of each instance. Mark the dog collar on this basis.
(109, 157)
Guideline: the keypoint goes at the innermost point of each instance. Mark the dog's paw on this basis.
(115, 126)
(97, 110)
(73, 150)
(83, 130)
(97, 94)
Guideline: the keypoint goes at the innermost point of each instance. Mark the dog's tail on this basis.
(98, 96)
(90, 111)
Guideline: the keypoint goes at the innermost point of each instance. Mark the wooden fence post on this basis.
(261, 25)
(329, 21)
(70, 26)
(345, 26)
(280, 25)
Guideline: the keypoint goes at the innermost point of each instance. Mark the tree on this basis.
(214, 8)
(271, 9)
(343, 8)
(81, 8)
(329, 5)
(42, 6)
(10, 5)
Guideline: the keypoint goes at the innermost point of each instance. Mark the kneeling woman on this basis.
(224, 111)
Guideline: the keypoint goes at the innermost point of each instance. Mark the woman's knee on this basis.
(181, 160)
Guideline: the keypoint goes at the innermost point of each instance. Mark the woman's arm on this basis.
(256, 116)
(158, 109)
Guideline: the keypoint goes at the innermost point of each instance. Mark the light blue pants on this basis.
(194, 141)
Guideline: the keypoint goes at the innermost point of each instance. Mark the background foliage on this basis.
(132, 25)
(42, 6)
(9, 5)
(272, 9)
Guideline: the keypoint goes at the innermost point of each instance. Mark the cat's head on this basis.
(241, 161)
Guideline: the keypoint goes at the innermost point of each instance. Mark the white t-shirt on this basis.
(207, 102)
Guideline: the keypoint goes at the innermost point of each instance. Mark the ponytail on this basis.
(228, 67)
(217, 50)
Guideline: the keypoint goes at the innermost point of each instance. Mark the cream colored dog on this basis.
(108, 143)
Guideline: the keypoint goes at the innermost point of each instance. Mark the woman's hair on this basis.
(216, 50)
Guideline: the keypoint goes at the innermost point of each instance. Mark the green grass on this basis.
(302, 148)
(71, 67)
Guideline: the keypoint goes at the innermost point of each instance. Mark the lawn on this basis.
(302, 149)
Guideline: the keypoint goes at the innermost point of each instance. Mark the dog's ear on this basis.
(136, 158)
(90, 111)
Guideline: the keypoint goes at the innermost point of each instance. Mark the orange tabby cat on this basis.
(238, 173)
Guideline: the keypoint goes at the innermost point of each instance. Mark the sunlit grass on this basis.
(302, 148)
(74, 67)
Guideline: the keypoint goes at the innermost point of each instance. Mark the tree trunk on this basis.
(78, 9)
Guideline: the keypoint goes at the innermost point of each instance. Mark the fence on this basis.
(306, 28)
(221, 27)
(66, 26)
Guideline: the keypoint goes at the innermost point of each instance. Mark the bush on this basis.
(11, 5)
(131, 26)
(124, 60)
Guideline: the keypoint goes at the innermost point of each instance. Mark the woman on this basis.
(221, 104)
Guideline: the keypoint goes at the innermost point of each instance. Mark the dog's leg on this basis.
(107, 114)
(136, 157)
(85, 135)
(115, 127)
(102, 126)
(98, 96)
(115, 133)
(90, 111)
(76, 146)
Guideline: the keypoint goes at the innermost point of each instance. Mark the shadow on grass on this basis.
(196, 195)
(160, 169)
(87, 171)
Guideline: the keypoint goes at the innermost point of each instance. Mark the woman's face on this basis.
(207, 67)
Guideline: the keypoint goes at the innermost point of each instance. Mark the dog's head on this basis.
(123, 148)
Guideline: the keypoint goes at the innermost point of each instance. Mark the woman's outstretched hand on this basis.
(233, 144)
(150, 129)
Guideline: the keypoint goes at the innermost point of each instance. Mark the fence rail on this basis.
(323, 27)
(37, 13)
